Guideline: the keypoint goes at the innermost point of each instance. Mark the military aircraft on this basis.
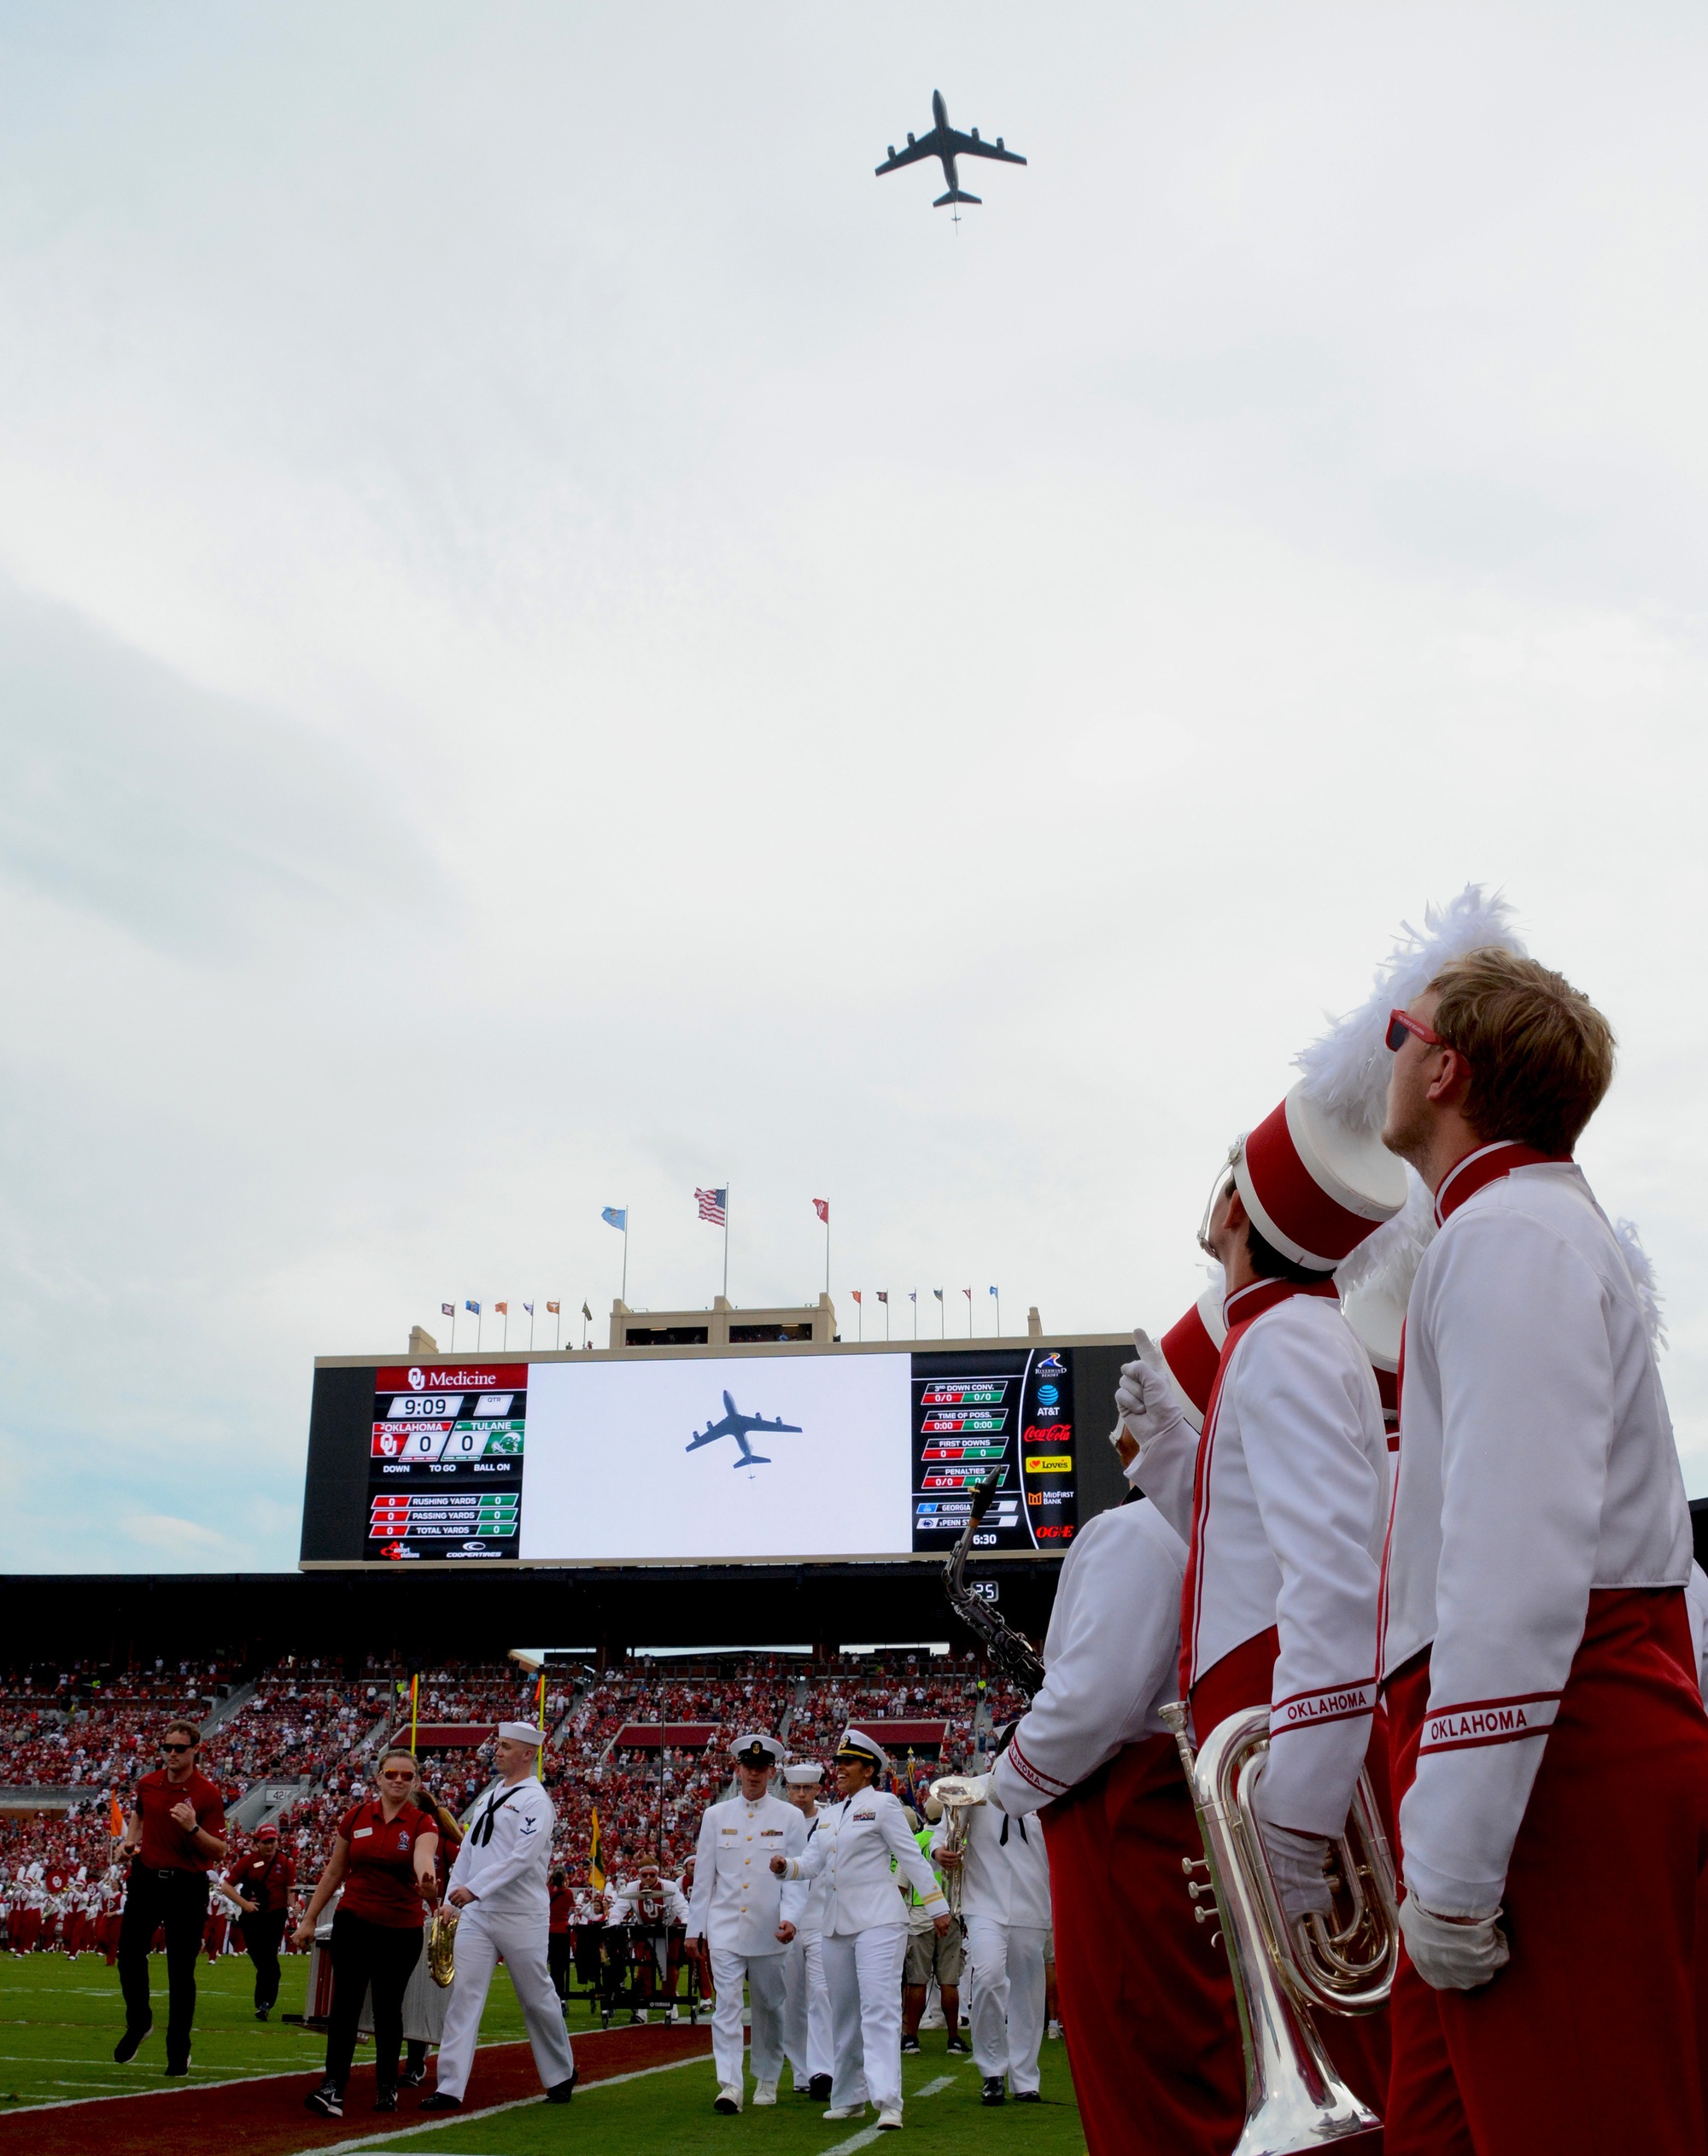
(943, 141)
(738, 1426)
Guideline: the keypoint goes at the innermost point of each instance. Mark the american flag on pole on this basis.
(714, 1206)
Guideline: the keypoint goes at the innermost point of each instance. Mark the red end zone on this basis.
(266, 2118)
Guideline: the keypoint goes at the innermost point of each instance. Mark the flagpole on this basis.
(414, 1705)
(726, 1245)
(625, 1254)
(454, 1329)
(557, 1328)
(530, 1329)
(480, 1319)
(827, 1248)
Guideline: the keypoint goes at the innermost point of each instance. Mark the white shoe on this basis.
(890, 2119)
(1054, 2029)
(727, 2100)
(846, 2110)
(764, 2092)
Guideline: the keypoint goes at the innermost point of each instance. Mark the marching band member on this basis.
(656, 1904)
(806, 2009)
(1549, 1746)
(1147, 2009)
(861, 1847)
(745, 1920)
(1005, 1914)
(498, 1884)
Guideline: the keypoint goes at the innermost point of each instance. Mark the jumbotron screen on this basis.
(691, 1459)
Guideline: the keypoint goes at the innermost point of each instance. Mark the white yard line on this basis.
(864, 2139)
(433, 2125)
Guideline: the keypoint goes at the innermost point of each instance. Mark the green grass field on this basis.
(59, 2021)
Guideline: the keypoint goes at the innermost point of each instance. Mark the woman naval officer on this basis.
(865, 1926)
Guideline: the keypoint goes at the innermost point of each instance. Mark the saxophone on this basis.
(1011, 1651)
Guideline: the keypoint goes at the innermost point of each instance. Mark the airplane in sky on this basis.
(945, 142)
(738, 1426)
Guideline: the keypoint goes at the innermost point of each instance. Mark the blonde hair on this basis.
(1540, 1055)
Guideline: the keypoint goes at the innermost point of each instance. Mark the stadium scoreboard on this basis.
(679, 1455)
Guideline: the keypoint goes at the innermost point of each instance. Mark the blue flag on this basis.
(616, 1217)
(473, 1307)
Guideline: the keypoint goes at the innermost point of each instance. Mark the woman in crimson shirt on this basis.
(382, 1855)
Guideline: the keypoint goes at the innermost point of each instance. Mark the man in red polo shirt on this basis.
(174, 1833)
(261, 1885)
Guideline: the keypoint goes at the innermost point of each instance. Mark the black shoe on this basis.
(561, 2091)
(440, 2102)
(726, 2105)
(327, 2101)
(125, 2049)
(954, 2044)
(385, 2099)
(909, 2045)
(1028, 2096)
(412, 2077)
(993, 2091)
(176, 2068)
(819, 2089)
(261, 2013)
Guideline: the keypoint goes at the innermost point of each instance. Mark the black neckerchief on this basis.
(1003, 1842)
(482, 1833)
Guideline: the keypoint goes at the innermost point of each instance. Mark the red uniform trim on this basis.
(1487, 1164)
(1193, 1356)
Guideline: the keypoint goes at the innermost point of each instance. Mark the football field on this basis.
(59, 2021)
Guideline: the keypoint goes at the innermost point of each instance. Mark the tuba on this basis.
(442, 1946)
(957, 1794)
(1283, 1973)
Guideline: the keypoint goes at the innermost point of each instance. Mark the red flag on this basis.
(115, 1815)
(503, 1309)
(821, 1207)
(856, 1291)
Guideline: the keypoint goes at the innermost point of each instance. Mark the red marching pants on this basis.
(1358, 2044)
(1585, 2044)
(1146, 2005)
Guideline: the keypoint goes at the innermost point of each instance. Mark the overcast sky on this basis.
(559, 641)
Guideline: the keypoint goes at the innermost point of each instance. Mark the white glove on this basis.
(1452, 1956)
(1299, 1863)
(1148, 1400)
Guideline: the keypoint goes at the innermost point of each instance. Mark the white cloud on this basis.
(564, 642)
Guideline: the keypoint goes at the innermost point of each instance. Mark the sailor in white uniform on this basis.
(865, 1926)
(806, 2013)
(1005, 1912)
(498, 1883)
(746, 1918)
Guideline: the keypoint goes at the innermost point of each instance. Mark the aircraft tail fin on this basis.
(954, 195)
(752, 1459)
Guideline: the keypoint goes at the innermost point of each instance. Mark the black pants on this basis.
(557, 1957)
(261, 1934)
(177, 1900)
(383, 1955)
(586, 1939)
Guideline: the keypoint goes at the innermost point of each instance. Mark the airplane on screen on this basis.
(738, 1426)
(946, 144)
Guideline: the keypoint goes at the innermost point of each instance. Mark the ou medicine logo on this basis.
(418, 1378)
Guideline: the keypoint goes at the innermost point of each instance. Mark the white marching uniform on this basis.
(806, 1998)
(1551, 1476)
(1005, 1914)
(1111, 1658)
(738, 1903)
(504, 1860)
(1288, 1532)
(865, 1937)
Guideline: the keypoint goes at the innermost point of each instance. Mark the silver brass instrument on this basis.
(957, 1794)
(1011, 1651)
(442, 1945)
(1283, 1973)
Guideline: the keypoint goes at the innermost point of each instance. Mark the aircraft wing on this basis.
(970, 146)
(758, 1422)
(929, 145)
(711, 1433)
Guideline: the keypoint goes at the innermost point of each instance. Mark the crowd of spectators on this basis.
(319, 1725)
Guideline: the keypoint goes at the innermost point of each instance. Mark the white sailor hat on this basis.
(756, 1749)
(804, 1771)
(856, 1745)
(522, 1732)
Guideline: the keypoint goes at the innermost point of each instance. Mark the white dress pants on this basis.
(1005, 2002)
(481, 1939)
(863, 1971)
(766, 1982)
(806, 2013)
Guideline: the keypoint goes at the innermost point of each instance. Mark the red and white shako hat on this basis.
(1192, 1349)
(1377, 1316)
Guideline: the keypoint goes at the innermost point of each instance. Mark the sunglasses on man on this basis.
(169, 1747)
(1399, 1023)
